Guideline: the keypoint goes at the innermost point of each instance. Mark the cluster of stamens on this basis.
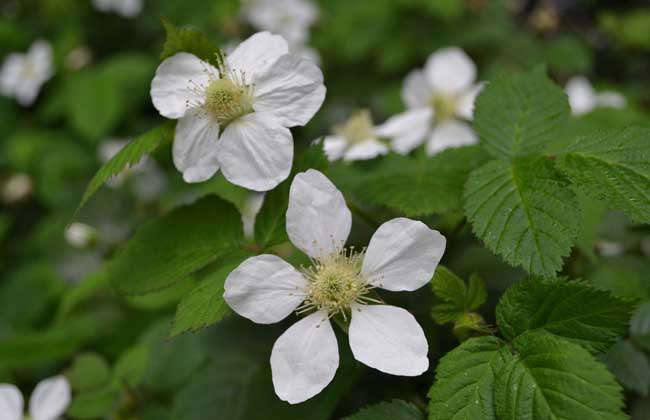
(335, 283)
(444, 106)
(357, 128)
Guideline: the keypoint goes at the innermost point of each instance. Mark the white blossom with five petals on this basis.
(439, 100)
(237, 118)
(584, 99)
(354, 140)
(48, 401)
(402, 256)
(22, 75)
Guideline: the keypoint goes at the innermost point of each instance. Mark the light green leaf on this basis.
(449, 287)
(204, 305)
(187, 40)
(89, 371)
(129, 156)
(551, 378)
(93, 404)
(131, 366)
(476, 292)
(613, 167)
(630, 366)
(394, 410)
(524, 211)
(168, 249)
(518, 115)
(465, 377)
(571, 310)
(420, 186)
(458, 298)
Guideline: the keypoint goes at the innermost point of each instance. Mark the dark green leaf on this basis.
(630, 366)
(394, 410)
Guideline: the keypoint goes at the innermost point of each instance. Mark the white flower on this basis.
(17, 188)
(48, 401)
(125, 8)
(252, 206)
(354, 140)
(289, 18)
(438, 98)
(79, 235)
(237, 118)
(22, 75)
(610, 248)
(584, 99)
(402, 256)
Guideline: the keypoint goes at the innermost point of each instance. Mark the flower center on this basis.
(357, 128)
(444, 106)
(335, 283)
(227, 100)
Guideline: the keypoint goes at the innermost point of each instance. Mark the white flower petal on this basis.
(318, 220)
(292, 90)
(304, 359)
(450, 70)
(179, 83)
(611, 99)
(256, 152)
(264, 289)
(388, 339)
(11, 403)
(334, 147)
(365, 150)
(416, 92)
(402, 255)
(465, 105)
(50, 399)
(129, 8)
(195, 146)
(582, 97)
(10, 74)
(407, 130)
(27, 91)
(257, 53)
(450, 134)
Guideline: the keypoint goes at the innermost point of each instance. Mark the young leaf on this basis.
(187, 40)
(89, 371)
(524, 211)
(613, 167)
(449, 287)
(571, 310)
(394, 410)
(551, 378)
(458, 299)
(168, 249)
(465, 377)
(519, 115)
(418, 187)
(129, 156)
(93, 404)
(204, 305)
(130, 367)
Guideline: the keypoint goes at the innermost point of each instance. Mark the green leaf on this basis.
(640, 326)
(571, 310)
(551, 378)
(129, 156)
(131, 366)
(630, 366)
(169, 249)
(613, 167)
(518, 115)
(458, 298)
(204, 305)
(476, 292)
(421, 186)
(449, 287)
(465, 378)
(524, 211)
(89, 371)
(394, 410)
(93, 404)
(187, 40)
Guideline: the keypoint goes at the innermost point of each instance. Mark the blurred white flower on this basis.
(251, 207)
(22, 75)
(584, 99)
(48, 401)
(402, 256)
(237, 118)
(78, 58)
(289, 18)
(79, 235)
(610, 248)
(438, 99)
(125, 8)
(354, 140)
(16, 188)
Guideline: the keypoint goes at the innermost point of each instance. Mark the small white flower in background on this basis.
(584, 99)
(610, 248)
(251, 207)
(79, 235)
(16, 188)
(354, 140)
(125, 8)
(48, 401)
(438, 98)
(402, 256)
(78, 58)
(22, 75)
(237, 118)
(289, 18)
